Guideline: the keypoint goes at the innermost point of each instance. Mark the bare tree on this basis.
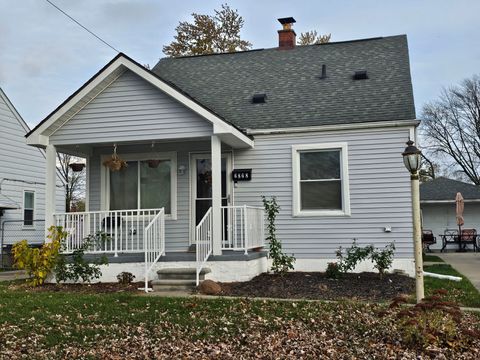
(74, 181)
(451, 128)
(312, 37)
(209, 34)
(427, 169)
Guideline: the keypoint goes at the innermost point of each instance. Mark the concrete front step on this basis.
(173, 284)
(177, 279)
(181, 273)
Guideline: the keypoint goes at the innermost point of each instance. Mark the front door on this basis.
(201, 180)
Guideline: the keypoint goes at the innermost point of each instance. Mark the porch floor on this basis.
(227, 255)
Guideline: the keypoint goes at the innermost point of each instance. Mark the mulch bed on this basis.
(97, 288)
(315, 285)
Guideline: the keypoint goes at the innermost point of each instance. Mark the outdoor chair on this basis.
(469, 237)
(111, 228)
(450, 236)
(428, 239)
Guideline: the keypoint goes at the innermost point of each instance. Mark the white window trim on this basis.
(105, 178)
(296, 149)
(28, 227)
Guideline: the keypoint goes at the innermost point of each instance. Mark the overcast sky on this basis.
(45, 57)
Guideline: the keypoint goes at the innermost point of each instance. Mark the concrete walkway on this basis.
(12, 275)
(467, 263)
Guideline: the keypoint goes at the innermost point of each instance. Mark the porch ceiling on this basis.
(83, 150)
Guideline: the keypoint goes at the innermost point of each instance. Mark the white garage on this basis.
(437, 201)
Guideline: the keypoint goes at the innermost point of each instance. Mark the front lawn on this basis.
(463, 292)
(432, 258)
(48, 325)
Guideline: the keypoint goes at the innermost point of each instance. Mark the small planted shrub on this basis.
(383, 259)
(433, 323)
(352, 257)
(281, 262)
(77, 267)
(39, 262)
(333, 270)
(349, 258)
(125, 278)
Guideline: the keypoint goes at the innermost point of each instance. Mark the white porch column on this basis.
(50, 188)
(216, 194)
(87, 183)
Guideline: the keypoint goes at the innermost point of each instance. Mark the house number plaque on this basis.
(242, 174)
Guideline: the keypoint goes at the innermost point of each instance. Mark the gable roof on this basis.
(24, 125)
(444, 189)
(105, 76)
(296, 96)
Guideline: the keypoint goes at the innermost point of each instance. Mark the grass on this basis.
(462, 292)
(432, 258)
(47, 325)
(62, 319)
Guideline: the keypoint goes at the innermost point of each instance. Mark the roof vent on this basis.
(259, 98)
(324, 72)
(360, 75)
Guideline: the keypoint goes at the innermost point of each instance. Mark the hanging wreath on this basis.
(115, 163)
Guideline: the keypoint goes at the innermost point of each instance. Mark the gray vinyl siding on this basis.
(380, 192)
(26, 164)
(176, 231)
(378, 182)
(131, 109)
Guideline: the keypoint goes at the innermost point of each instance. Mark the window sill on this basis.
(322, 213)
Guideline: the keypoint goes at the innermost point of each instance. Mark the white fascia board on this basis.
(365, 125)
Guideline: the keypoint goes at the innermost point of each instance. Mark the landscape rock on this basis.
(210, 287)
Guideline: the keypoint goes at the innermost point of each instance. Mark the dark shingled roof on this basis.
(446, 189)
(296, 96)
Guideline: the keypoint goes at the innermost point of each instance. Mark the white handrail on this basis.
(203, 240)
(115, 231)
(154, 243)
(243, 227)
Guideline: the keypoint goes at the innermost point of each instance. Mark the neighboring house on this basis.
(319, 127)
(22, 181)
(437, 200)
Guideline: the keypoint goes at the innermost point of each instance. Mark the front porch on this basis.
(138, 236)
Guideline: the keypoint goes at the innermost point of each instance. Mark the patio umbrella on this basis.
(459, 215)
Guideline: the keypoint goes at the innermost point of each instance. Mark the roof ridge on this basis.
(276, 48)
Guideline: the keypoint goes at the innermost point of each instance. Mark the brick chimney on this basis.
(286, 36)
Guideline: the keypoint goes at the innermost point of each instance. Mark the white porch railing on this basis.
(154, 243)
(243, 227)
(114, 232)
(203, 238)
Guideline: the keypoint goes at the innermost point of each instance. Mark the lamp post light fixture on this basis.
(411, 159)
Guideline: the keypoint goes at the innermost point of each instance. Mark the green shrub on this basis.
(349, 258)
(281, 262)
(78, 268)
(383, 259)
(39, 262)
(353, 256)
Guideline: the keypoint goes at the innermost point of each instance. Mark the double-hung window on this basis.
(320, 180)
(28, 207)
(148, 182)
